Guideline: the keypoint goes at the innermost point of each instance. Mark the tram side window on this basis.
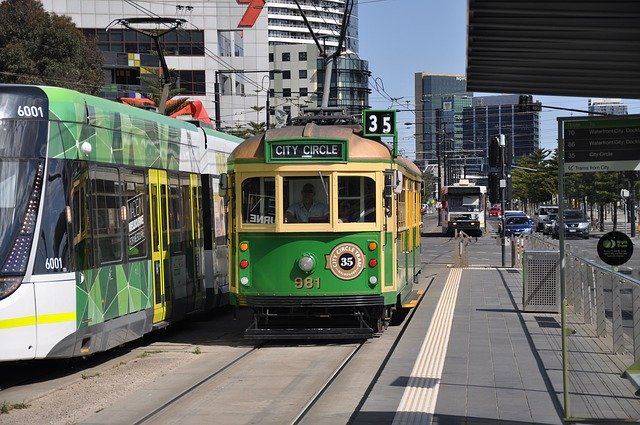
(53, 253)
(107, 230)
(134, 191)
(356, 199)
(176, 216)
(80, 213)
(259, 200)
(402, 206)
(306, 199)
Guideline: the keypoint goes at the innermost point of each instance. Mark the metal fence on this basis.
(602, 329)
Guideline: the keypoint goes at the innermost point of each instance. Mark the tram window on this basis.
(134, 191)
(356, 199)
(53, 245)
(176, 216)
(107, 229)
(258, 200)
(306, 199)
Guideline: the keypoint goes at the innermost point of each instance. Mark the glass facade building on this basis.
(491, 116)
(433, 127)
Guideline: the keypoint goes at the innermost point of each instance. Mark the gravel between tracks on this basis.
(91, 393)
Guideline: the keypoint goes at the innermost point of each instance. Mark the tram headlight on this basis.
(8, 285)
(244, 280)
(373, 281)
(306, 263)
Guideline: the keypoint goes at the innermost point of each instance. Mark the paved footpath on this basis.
(478, 363)
(471, 355)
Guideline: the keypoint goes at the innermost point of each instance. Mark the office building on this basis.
(491, 116)
(439, 102)
(216, 38)
(607, 106)
(225, 44)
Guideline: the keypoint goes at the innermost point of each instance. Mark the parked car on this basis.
(515, 225)
(575, 225)
(494, 211)
(543, 213)
(548, 223)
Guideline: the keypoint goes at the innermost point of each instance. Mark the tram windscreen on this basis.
(24, 113)
(16, 185)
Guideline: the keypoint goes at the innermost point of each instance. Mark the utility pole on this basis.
(163, 26)
(503, 187)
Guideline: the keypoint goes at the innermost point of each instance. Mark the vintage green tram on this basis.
(325, 232)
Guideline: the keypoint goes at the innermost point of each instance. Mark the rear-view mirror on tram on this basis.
(224, 187)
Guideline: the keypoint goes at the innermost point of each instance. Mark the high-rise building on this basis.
(439, 102)
(607, 106)
(491, 116)
(293, 49)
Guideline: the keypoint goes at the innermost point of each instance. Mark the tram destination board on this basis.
(299, 150)
(601, 144)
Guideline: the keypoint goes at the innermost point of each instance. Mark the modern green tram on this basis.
(111, 223)
(337, 265)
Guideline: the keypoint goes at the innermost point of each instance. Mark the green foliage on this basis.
(38, 47)
(251, 129)
(154, 87)
(537, 181)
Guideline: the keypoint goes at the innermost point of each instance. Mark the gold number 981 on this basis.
(307, 283)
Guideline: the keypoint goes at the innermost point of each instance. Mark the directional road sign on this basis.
(610, 143)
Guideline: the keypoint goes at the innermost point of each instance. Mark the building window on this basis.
(192, 82)
(286, 92)
(286, 57)
(302, 56)
(302, 73)
(286, 75)
(182, 43)
(304, 91)
(271, 57)
(230, 43)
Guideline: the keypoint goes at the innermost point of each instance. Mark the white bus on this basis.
(462, 208)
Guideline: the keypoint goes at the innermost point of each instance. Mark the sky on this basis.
(401, 37)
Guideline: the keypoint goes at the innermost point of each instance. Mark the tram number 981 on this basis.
(306, 283)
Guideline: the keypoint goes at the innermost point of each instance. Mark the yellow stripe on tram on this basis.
(43, 320)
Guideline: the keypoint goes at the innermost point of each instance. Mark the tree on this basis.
(154, 92)
(38, 47)
(537, 181)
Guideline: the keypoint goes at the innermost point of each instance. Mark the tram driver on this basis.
(308, 209)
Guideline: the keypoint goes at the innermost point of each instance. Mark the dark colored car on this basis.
(575, 225)
(515, 225)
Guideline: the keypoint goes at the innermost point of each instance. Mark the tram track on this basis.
(300, 417)
(192, 388)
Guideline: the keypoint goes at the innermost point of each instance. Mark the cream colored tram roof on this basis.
(359, 148)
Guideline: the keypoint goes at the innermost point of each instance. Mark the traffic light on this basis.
(493, 187)
(526, 104)
(494, 153)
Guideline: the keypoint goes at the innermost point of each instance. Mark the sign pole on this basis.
(561, 238)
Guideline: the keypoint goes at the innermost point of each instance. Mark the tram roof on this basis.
(360, 148)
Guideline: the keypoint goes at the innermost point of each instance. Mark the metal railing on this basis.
(600, 335)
